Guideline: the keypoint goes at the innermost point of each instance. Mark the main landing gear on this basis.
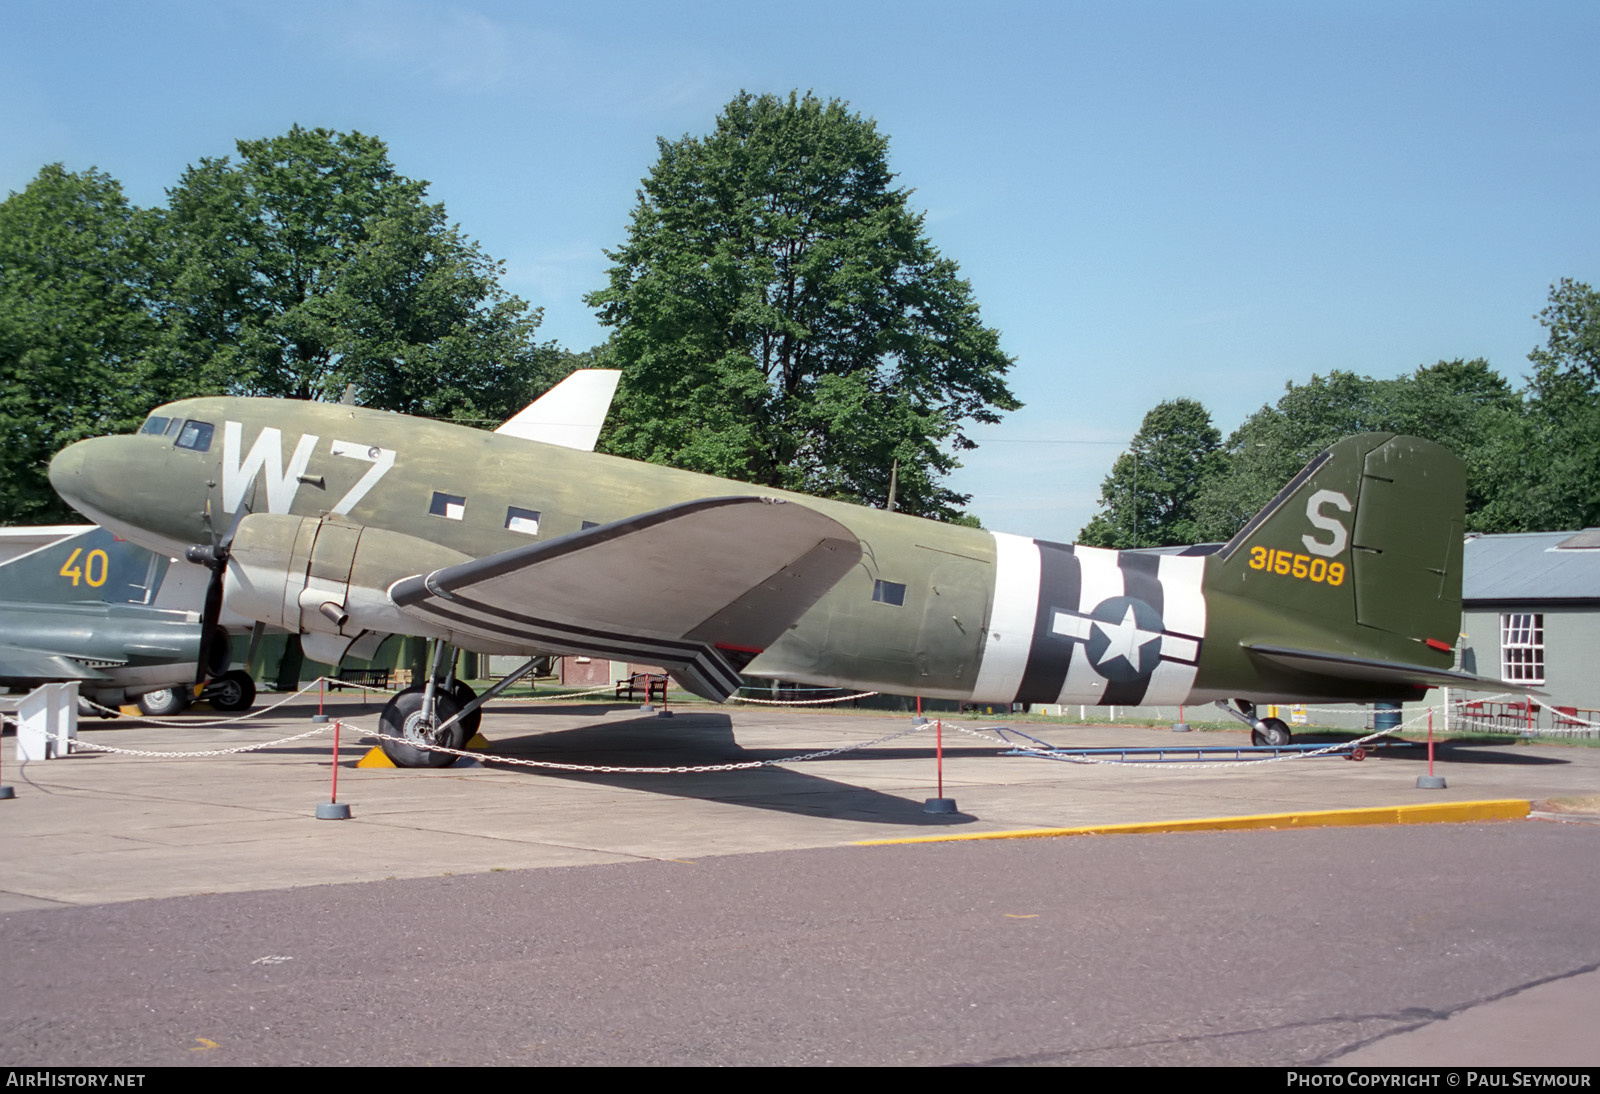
(1263, 731)
(443, 713)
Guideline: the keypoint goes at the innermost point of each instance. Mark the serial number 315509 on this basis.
(1303, 567)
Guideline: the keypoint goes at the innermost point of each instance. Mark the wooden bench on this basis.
(653, 684)
(377, 679)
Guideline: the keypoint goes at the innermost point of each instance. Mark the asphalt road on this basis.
(1268, 947)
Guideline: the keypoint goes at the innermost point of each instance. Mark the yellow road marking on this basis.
(1432, 813)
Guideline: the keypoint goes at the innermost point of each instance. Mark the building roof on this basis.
(1532, 566)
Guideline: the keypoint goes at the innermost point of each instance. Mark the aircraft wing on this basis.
(1342, 667)
(700, 588)
(20, 663)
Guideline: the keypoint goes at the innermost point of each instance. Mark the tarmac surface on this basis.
(97, 840)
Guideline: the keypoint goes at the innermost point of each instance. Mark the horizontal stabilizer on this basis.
(699, 588)
(1343, 667)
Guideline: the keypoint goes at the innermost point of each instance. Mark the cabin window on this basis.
(889, 592)
(155, 424)
(449, 506)
(196, 436)
(588, 524)
(1522, 648)
(525, 521)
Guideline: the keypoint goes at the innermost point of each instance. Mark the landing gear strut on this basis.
(411, 716)
(443, 712)
(1263, 731)
(425, 715)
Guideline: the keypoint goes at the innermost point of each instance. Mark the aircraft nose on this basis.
(66, 470)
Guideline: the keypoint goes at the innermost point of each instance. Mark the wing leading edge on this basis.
(701, 587)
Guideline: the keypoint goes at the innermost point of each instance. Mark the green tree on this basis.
(781, 318)
(1148, 499)
(311, 264)
(75, 323)
(1548, 465)
(1464, 405)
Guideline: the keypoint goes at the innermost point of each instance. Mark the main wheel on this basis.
(402, 717)
(464, 695)
(164, 703)
(1273, 731)
(233, 690)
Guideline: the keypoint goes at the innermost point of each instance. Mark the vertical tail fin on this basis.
(1366, 538)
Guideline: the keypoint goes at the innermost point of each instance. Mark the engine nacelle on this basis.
(325, 575)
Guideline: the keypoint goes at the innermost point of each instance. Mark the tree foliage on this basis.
(75, 327)
(781, 318)
(1548, 465)
(1464, 405)
(1148, 500)
(310, 263)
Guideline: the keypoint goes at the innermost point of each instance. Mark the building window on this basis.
(889, 592)
(448, 505)
(525, 521)
(1522, 648)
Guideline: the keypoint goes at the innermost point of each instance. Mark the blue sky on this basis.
(1151, 200)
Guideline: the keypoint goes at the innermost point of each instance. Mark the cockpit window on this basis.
(195, 435)
(154, 424)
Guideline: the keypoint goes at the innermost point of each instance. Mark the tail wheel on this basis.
(1273, 731)
(402, 717)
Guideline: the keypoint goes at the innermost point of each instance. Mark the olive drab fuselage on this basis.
(930, 609)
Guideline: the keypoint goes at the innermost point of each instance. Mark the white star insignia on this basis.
(1124, 640)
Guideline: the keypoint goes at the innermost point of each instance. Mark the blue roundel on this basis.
(1124, 639)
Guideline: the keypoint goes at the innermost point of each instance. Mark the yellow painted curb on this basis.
(375, 758)
(1432, 813)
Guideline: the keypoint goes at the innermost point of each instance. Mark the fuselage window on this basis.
(195, 435)
(525, 521)
(154, 424)
(448, 505)
(889, 592)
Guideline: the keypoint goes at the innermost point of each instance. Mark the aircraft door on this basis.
(954, 615)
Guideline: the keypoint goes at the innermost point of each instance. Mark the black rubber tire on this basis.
(464, 695)
(399, 719)
(232, 691)
(164, 703)
(1277, 733)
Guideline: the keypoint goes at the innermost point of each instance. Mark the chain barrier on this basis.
(117, 715)
(81, 745)
(801, 702)
(1171, 765)
(609, 769)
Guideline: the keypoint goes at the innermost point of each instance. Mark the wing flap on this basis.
(700, 587)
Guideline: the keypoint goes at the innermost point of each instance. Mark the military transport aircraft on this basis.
(347, 525)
